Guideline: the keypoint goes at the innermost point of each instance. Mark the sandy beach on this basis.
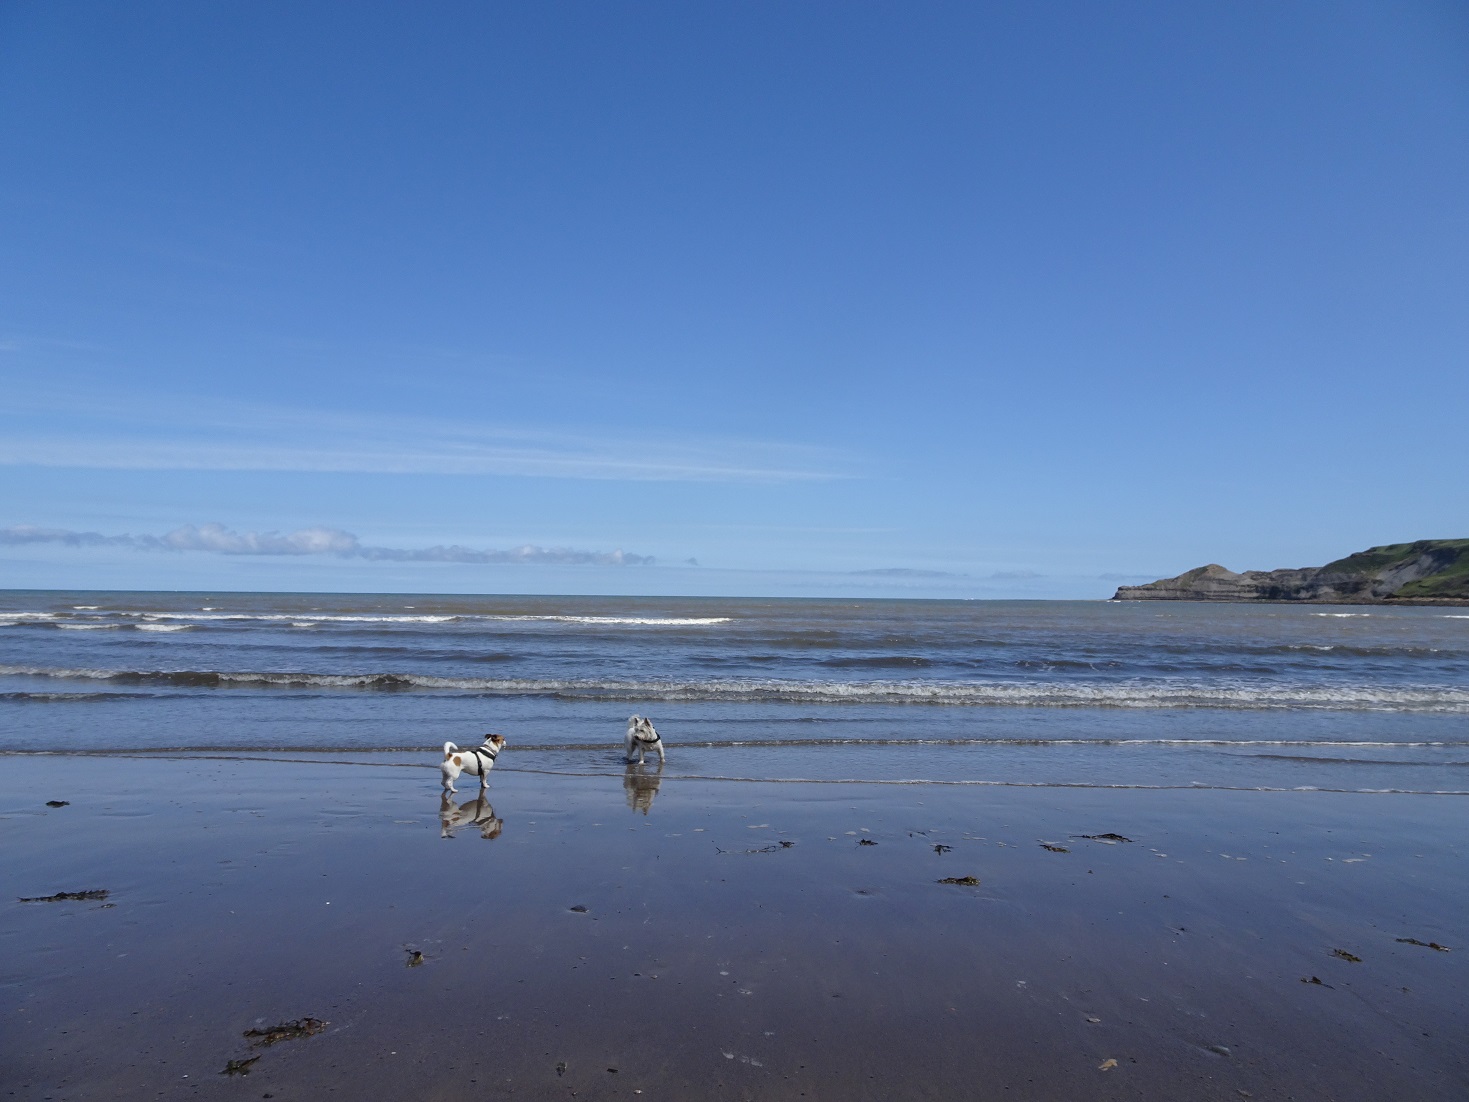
(611, 936)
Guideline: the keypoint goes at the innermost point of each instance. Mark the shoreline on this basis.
(712, 959)
(353, 757)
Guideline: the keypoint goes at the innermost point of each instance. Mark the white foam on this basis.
(88, 627)
(648, 621)
(162, 627)
(424, 618)
(271, 617)
(1131, 694)
(1341, 615)
(86, 608)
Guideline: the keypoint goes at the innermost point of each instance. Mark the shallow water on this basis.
(989, 692)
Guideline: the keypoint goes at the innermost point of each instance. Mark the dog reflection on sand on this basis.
(641, 785)
(477, 812)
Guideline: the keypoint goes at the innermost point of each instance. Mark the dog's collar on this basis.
(656, 738)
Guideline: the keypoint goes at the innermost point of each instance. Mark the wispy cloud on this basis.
(643, 463)
(217, 539)
(41, 429)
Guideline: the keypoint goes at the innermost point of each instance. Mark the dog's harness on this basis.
(638, 737)
(485, 751)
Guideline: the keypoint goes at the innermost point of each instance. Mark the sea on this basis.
(1093, 694)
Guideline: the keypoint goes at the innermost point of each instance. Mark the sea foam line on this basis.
(605, 747)
(445, 618)
(209, 615)
(1129, 694)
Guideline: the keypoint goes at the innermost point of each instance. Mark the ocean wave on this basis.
(1318, 759)
(1136, 693)
(446, 618)
(642, 621)
(879, 662)
(977, 743)
(287, 617)
(71, 698)
(161, 627)
(298, 619)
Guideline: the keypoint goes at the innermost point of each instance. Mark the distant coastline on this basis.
(1426, 572)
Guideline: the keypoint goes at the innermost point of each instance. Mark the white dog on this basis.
(641, 738)
(477, 762)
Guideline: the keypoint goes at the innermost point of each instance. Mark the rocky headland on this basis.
(1430, 572)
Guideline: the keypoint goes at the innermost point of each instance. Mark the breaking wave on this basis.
(1139, 693)
(309, 619)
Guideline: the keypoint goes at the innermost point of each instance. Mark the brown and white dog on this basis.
(477, 761)
(641, 738)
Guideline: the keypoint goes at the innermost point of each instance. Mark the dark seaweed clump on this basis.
(59, 897)
(285, 1031)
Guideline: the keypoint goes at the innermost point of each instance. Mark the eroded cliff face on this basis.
(1428, 571)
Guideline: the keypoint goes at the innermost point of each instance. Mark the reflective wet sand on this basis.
(598, 937)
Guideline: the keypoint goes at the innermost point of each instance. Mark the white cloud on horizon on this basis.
(217, 539)
(904, 572)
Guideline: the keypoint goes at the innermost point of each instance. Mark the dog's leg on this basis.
(446, 768)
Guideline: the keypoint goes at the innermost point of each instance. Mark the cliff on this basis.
(1426, 572)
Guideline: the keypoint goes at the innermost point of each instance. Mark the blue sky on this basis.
(940, 299)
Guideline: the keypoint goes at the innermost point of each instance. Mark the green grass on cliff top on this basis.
(1389, 554)
(1451, 580)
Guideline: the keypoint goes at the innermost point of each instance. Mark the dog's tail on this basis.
(449, 748)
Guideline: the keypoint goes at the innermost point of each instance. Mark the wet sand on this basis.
(600, 937)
